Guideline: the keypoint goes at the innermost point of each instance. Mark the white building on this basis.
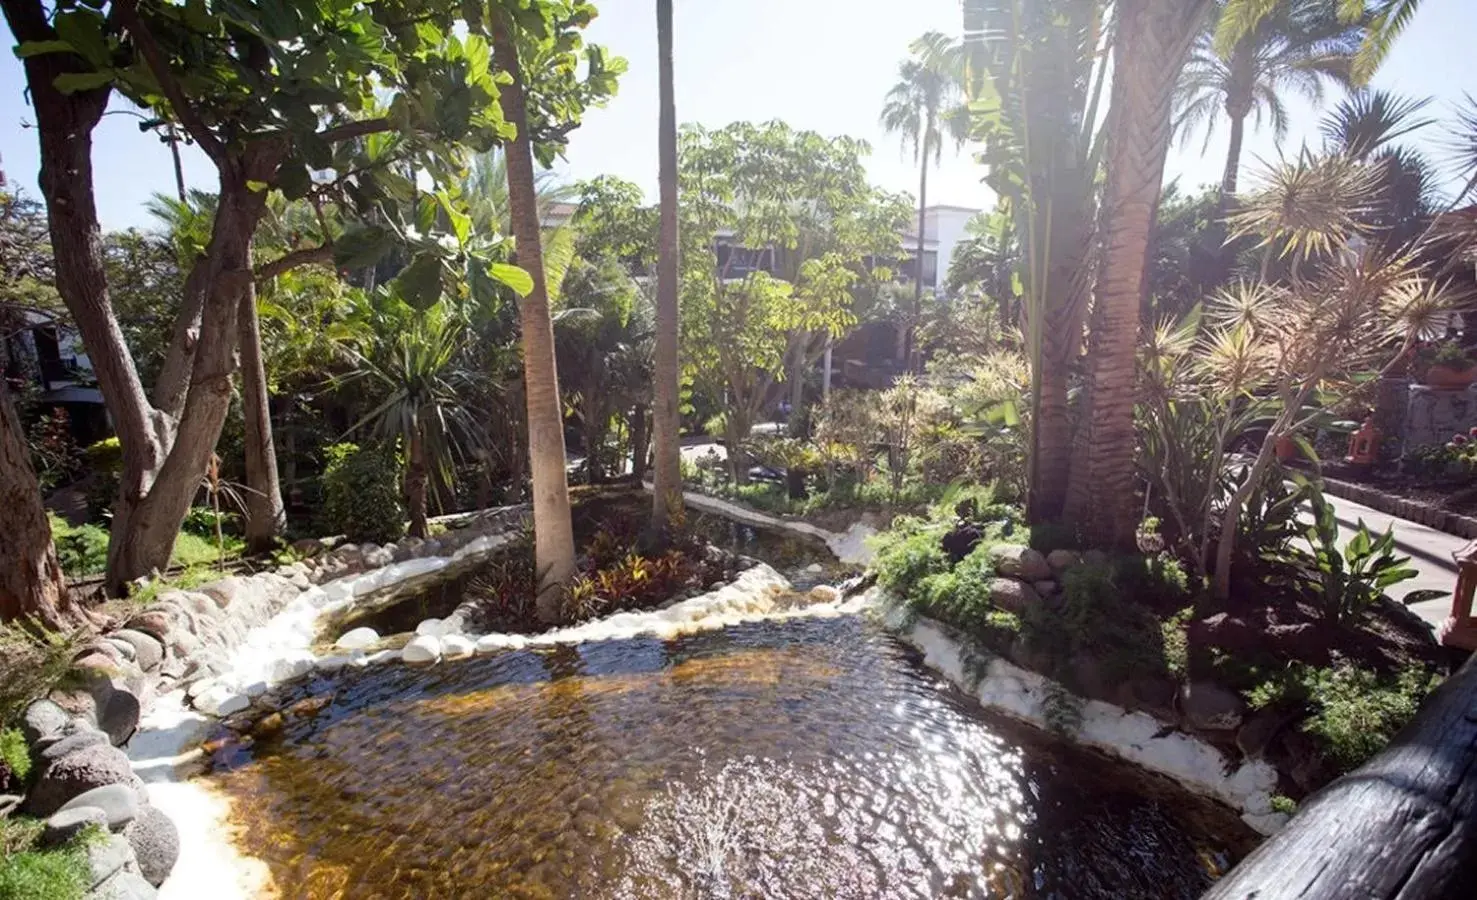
(943, 230)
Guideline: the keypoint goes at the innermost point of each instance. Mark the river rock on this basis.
(1013, 596)
(124, 885)
(43, 719)
(289, 667)
(155, 841)
(378, 557)
(332, 663)
(1044, 588)
(1096, 558)
(227, 591)
(221, 700)
(82, 736)
(1062, 560)
(64, 824)
(454, 646)
(121, 647)
(147, 649)
(108, 857)
(422, 649)
(1016, 561)
(75, 774)
(824, 593)
(357, 639)
(1210, 707)
(431, 628)
(120, 803)
(153, 622)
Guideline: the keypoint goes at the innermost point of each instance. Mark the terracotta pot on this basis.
(1447, 377)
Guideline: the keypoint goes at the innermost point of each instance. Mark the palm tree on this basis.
(667, 482)
(1153, 40)
(924, 103)
(1300, 47)
(553, 530)
(412, 358)
(1035, 82)
(1385, 20)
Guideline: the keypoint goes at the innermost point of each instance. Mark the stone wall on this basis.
(1433, 415)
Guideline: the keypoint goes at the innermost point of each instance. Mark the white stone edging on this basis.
(1132, 736)
(850, 546)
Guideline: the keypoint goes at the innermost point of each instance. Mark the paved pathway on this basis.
(1429, 551)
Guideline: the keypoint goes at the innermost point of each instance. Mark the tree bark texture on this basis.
(666, 423)
(416, 479)
(912, 359)
(265, 514)
(31, 582)
(1153, 40)
(553, 531)
(640, 441)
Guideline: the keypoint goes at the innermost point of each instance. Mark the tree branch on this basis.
(293, 259)
(127, 11)
(351, 130)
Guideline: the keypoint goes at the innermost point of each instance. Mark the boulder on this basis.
(43, 719)
(120, 803)
(124, 885)
(454, 646)
(153, 622)
(80, 737)
(422, 649)
(1096, 558)
(148, 651)
(301, 581)
(221, 700)
(287, 668)
(1209, 707)
(1155, 696)
(377, 557)
(357, 639)
(122, 647)
(1044, 588)
(1016, 561)
(227, 591)
(64, 824)
(1062, 560)
(1012, 596)
(107, 857)
(75, 774)
(155, 841)
(431, 628)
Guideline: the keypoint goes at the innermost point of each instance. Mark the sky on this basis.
(823, 65)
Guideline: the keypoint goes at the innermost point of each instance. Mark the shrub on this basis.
(200, 520)
(1357, 713)
(908, 553)
(361, 494)
(81, 549)
(1097, 620)
(960, 597)
(1157, 581)
(54, 452)
(105, 460)
(15, 760)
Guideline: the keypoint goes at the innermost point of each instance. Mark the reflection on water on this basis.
(803, 758)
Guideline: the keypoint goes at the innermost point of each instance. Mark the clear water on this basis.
(803, 758)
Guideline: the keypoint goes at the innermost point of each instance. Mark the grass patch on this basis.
(28, 873)
(32, 662)
(83, 549)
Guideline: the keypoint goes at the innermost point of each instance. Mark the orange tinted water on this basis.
(806, 758)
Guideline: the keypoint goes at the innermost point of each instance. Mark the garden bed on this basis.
(1269, 675)
(1436, 503)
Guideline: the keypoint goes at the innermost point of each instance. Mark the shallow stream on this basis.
(789, 758)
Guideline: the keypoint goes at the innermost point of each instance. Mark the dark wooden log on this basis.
(1402, 826)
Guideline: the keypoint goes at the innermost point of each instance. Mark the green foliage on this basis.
(1061, 709)
(15, 756)
(31, 873)
(961, 596)
(1452, 355)
(1099, 620)
(81, 549)
(361, 493)
(105, 462)
(32, 662)
(908, 553)
(54, 452)
(1159, 582)
(200, 521)
(1284, 804)
(1353, 712)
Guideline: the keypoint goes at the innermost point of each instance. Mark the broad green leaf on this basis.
(37, 48)
(361, 246)
(514, 277)
(72, 82)
(419, 284)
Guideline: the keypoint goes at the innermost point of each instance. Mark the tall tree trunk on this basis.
(145, 528)
(265, 516)
(640, 442)
(416, 479)
(553, 531)
(666, 495)
(796, 426)
(912, 358)
(1233, 160)
(31, 582)
(1153, 38)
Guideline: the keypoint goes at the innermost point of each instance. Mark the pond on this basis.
(788, 758)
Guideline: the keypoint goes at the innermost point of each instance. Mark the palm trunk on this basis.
(666, 502)
(31, 582)
(416, 479)
(1153, 38)
(553, 531)
(640, 442)
(265, 516)
(1233, 160)
(911, 358)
